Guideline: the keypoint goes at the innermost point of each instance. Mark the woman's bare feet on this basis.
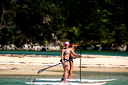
(64, 82)
(70, 78)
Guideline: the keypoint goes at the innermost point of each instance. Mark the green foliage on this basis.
(87, 20)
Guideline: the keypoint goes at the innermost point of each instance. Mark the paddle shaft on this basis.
(47, 68)
(60, 63)
(80, 62)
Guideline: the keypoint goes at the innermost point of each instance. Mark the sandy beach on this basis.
(31, 64)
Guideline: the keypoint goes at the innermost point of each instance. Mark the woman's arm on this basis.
(78, 44)
(62, 55)
(72, 51)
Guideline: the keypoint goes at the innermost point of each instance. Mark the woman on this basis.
(65, 56)
(71, 59)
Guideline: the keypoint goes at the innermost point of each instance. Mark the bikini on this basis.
(65, 60)
(66, 52)
(71, 58)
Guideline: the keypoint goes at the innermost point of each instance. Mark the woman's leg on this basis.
(64, 77)
(70, 70)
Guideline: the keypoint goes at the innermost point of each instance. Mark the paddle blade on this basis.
(41, 70)
(47, 68)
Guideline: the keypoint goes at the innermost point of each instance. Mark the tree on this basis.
(87, 20)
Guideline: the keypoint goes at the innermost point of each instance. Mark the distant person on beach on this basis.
(54, 39)
(71, 59)
(65, 57)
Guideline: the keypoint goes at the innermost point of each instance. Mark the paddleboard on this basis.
(82, 80)
(59, 83)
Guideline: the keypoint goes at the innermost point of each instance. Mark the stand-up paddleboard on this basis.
(82, 80)
(59, 83)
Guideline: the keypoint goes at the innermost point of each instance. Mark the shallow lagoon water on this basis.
(121, 78)
(58, 53)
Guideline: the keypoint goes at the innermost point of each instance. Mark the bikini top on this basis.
(66, 52)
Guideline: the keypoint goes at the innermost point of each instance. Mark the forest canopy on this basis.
(25, 21)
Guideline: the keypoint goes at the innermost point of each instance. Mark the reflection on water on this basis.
(121, 78)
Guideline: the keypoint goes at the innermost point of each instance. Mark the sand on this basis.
(31, 64)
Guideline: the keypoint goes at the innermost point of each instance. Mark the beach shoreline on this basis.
(31, 64)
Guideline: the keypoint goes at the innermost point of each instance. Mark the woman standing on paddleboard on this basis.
(65, 57)
(71, 59)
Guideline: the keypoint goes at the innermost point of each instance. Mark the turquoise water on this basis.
(121, 78)
(56, 53)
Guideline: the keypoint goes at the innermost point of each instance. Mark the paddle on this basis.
(80, 62)
(58, 64)
(47, 68)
